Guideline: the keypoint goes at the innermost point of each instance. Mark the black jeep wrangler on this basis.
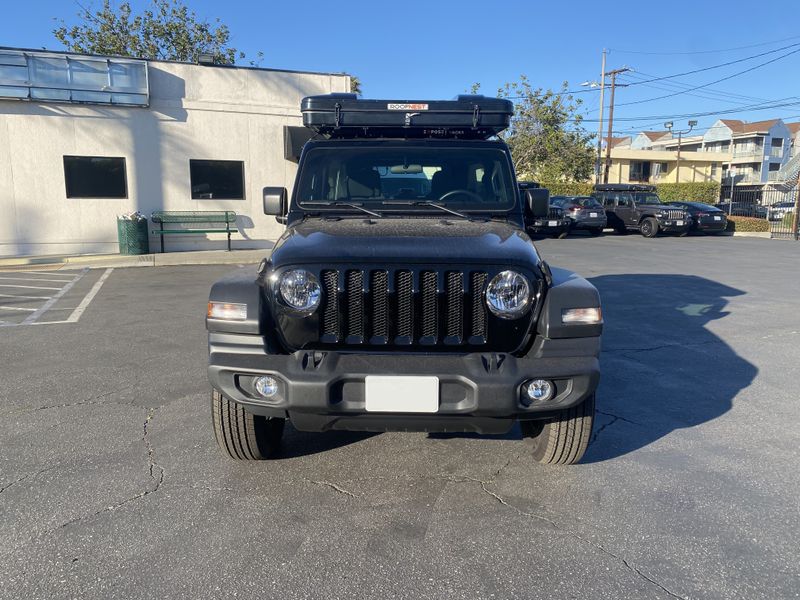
(634, 207)
(404, 293)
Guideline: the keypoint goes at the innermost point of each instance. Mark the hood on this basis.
(418, 240)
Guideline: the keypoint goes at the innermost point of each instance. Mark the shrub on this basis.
(698, 191)
(568, 188)
(750, 224)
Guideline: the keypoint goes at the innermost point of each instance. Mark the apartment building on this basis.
(731, 152)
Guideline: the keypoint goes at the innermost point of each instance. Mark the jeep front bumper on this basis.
(479, 392)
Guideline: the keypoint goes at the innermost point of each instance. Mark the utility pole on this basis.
(599, 163)
(613, 75)
(668, 126)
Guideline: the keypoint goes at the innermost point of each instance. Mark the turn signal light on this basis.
(227, 311)
(582, 316)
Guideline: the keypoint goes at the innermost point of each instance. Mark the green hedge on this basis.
(750, 224)
(567, 188)
(699, 191)
(707, 192)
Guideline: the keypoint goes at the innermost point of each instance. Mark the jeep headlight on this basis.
(300, 290)
(508, 295)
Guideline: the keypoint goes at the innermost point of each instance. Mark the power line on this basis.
(725, 64)
(705, 51)
(699, 87)
(675, 85)
(701, 114)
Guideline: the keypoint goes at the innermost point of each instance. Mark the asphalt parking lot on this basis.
(111, 485)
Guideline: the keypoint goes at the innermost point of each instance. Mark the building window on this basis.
(217, 179)
(713, 169)
(95, 177)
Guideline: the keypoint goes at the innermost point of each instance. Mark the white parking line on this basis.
(30, 287)
(42, 309)
(48, 273)
(17, 308)
(25, 297)
(33, 279)
(76, 314)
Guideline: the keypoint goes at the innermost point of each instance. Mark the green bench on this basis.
(171, 218)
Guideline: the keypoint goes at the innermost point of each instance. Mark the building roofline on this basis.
(175, 62)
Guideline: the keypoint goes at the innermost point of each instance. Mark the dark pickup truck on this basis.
(407, 306)
(634, 207)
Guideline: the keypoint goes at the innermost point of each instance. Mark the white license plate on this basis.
(552, 223)
(679, 223)
(401, 394)
(718, 218)
(592, 214)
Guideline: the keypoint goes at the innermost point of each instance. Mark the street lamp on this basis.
(668, 126)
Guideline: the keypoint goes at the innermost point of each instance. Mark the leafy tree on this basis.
(355, 85)
(167, 31)
(546, 139)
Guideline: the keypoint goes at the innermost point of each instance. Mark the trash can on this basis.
(132, 234)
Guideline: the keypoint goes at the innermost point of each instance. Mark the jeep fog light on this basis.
(539, 390)
(266, 386)
(582, 316)
(227, 311)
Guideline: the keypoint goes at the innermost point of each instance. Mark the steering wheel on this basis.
(454, 192)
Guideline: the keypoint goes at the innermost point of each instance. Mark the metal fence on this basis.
(775, 204)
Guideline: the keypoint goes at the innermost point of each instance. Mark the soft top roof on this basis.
(347, 116)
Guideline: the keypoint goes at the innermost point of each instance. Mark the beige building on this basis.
(86, 138)
(639, 165)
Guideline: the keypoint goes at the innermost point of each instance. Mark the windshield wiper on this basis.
(339, 203)
(434, 204)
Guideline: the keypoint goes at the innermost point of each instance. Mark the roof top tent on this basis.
(624, 187)
(466, 117)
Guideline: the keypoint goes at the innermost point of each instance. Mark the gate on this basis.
(776, 203)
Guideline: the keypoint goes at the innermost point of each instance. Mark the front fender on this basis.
(241, 287)
(568, 290)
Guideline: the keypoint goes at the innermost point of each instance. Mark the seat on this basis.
(363, 182)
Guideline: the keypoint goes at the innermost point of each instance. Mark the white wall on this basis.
(195, 112)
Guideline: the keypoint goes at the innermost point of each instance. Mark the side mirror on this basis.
(538, 202)
(275, 203)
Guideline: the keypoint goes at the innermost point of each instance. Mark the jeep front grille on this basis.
(403, 307)
(675, 213)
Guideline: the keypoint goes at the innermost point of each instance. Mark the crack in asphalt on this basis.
(664, 346)
(628, 565)
(334, 486)
(23, 478)
(155, 471)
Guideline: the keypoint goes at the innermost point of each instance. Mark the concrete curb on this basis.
(756, 234)
(203, 257)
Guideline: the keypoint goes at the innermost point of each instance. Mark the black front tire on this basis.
(648, 227)
(242, 435)
(563, 440)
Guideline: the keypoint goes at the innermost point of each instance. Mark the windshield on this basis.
(386, 178)
(587, 202)
(645, 198)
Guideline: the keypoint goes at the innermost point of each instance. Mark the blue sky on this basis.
(433, 49)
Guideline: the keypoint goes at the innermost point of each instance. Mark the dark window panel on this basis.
(95, 177)
(217, 179)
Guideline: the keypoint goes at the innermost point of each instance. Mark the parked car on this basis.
(555, 224)
(633, 207)
(743, 209)
(779, 210)
(705, 218)
(583, 212)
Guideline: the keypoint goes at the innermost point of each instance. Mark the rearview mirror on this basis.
(275, 203)
(538, 202)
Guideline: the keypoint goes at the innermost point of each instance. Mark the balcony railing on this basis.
(776, 153)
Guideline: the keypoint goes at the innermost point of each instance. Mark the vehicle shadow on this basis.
(299, 443)
(662, 368)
